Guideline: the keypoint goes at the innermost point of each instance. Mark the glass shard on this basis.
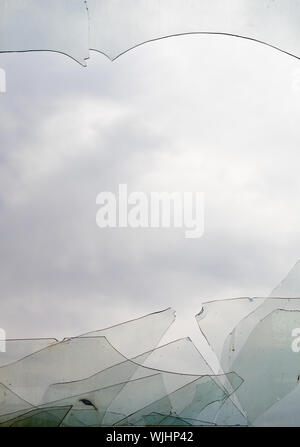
(85, 381)
(73, 27)
(42, 25)
(259, 347)
(290, 286)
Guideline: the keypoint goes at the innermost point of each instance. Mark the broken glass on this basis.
(78, 358)
(290, 286)
(73, 27)
(86, 381)
(256, 342)
(187, 402)
(57, 25)
(49, 417)
(18, 349)
(123, 336)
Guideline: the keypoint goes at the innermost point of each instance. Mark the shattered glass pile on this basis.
(89, 381)
(120, 376)
(112, 27)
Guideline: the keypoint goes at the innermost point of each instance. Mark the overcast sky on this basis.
(196, 113)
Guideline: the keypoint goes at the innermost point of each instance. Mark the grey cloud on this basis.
(160, 118)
